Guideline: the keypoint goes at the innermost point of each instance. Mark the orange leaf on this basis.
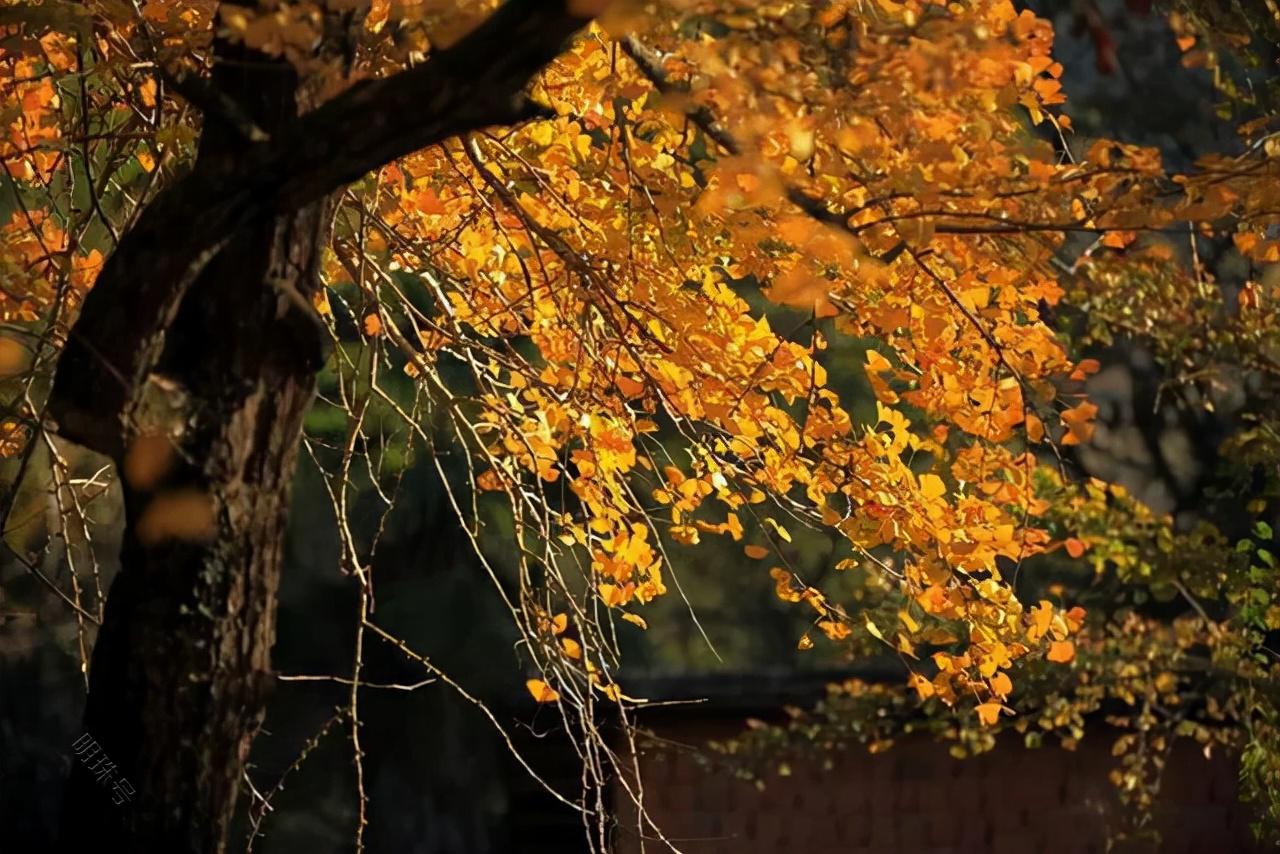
(834, 629)
(1117, 239)
(428, 202)
(1085, 367)
(1079, 421)
(628, 386)
(541, 691)
(1035, 427)
(1062, 651)
(147, 92)
(487, 481)
(612, 594)
(989, 713)
(923, 687)
(1075, 618)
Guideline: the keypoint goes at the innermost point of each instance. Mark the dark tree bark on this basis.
(181, 664)
(200, 330)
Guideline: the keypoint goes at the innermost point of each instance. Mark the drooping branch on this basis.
(478, 82)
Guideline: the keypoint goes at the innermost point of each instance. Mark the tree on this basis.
(580, 243)
(207, 419)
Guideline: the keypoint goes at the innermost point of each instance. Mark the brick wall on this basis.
(916, 798)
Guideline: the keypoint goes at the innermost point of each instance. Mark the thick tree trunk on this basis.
(182, 663)
(199, 330)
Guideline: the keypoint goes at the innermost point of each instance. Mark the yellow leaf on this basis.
(1117, 239)
(923, 687)
(541, 691)
(1042, 617)
(320, 299)
(612, 594)
(147, 92)
(989, 713)
(1001, 684)
(572, 648)
(542, 133)
(931, 486)
(805, 643)
(782, 532)
(635, 620)
(372, 325)
(834, 629)
(782, 585)
(756, 552)
(908, 621)
(905, 646)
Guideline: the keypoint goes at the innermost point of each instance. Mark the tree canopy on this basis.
(650, 274)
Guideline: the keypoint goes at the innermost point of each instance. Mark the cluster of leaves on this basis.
(623, 317)
(574, 294)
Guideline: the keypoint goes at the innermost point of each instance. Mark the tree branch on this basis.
(205, 96)
(649, 61)
(114, 344)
